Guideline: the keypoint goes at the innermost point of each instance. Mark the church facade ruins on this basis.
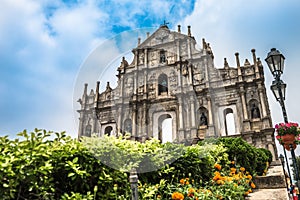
(171, 81)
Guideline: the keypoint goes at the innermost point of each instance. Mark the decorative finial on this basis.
(247, 62)
(179, 28)
(189, 31)
(237, 59)
(204, 45)
(108, 85)
(97, 92)
(226, 66)
(258, 61)
(148, 34)
(254, 56)
(139, 41)
(85, 89)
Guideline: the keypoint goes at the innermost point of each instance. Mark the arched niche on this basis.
(108, 130)
(254, 109)
(88, 130)
(202, 116)
(128, 126)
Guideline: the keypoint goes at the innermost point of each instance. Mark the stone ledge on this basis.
(273, 179)
(272, 186)
(269, 194)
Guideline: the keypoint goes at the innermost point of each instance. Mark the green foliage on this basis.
(47, 165)
(123, 154)
(253, 159)
(39, 168)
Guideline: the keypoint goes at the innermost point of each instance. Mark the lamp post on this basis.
(275, 61)
(282, 163)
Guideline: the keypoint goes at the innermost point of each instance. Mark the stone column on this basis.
(193, 112)
(144, 122)
(134, 124)
(271, 149)
(257, 75)
(119, 129)
(81, 124)
(178, 50)
(180, 113)
(245, 110)
(193, 118)
(189, 48)
(210, 113)
(94, 122)
(262, 100)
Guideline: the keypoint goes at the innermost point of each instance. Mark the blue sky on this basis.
(44, 44)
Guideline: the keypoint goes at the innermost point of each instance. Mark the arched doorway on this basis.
(229, 122)
(165, 133)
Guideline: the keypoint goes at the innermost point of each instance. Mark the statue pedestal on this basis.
(202, 132)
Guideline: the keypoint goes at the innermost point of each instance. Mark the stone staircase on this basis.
(272, 186)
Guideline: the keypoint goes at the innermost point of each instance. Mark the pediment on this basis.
(161, 36)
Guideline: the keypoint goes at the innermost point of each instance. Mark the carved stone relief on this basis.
(141, 58)
(183, 48)
(173, 79)
(128, 86)
(153, 58)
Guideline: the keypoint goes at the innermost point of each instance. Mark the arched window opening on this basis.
(229, 122)
(254, 109)
(88, 130)
(162, 84)
(128, 126)
(165, 133)
(107, 130)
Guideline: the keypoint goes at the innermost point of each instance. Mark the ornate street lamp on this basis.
(275, 61)
(277, 87)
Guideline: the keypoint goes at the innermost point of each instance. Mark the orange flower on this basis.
(182, 181)
(177, 196)
(233, 170)
(242, 169)
(187, 181)
(191, 192)
(217, 166)
(253, 185)
(217, 176)
(232, 162)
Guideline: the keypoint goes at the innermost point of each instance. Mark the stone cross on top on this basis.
(165, 23)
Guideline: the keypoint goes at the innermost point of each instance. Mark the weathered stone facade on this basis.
(169, 78)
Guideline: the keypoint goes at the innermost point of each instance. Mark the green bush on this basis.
(39, 168)
(47, 165)
(253, 159)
